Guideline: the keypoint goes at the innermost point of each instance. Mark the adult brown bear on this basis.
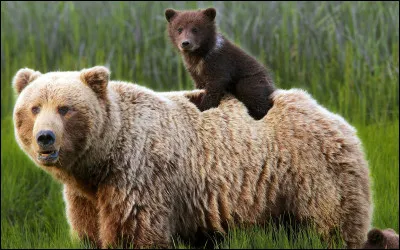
(143, 166)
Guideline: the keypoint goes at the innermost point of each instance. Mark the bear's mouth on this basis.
(48, 156)
(189, 48)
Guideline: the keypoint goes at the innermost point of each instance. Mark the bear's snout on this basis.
(185, 44)
(45, 138)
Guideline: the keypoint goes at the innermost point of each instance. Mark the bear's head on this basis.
(191, 31)
(58, 115)
(382, 239)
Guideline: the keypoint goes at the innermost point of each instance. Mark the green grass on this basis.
(345, 54)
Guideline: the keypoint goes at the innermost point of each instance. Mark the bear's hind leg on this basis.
(355, 227)
(356, 208)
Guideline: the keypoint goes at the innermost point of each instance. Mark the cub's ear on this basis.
(210, 13)
(97, 79)
(23, 78)
(376, 236)
(170, 13)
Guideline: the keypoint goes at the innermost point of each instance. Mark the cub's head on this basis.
(58, 115)
(382, 239)
(191, 30)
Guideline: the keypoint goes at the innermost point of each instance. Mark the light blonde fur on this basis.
(153, 166)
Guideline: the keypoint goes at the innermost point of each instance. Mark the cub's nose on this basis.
(45, 138)
(185, 44)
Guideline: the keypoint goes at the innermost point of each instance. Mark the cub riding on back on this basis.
(216, 64)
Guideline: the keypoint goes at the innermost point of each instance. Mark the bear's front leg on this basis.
(82, 215)
(127, 222)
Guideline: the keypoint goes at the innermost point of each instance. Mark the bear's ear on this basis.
(376, 236)
(169, 14)
(210, 13)
(97, 79)
(23, 78)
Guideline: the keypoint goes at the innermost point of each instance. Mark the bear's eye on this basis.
(35, 110)
(63, 110)
(194, 30)
(180, 30)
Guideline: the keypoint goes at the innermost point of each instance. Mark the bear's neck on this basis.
(194, 61)
(93, 165)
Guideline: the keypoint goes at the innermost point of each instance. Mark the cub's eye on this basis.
(35, 110)
(180, 30)
(194, 30)
(63, 110)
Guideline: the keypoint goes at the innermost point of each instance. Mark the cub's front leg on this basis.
(127, 222)
(82, 215)
(213, 94)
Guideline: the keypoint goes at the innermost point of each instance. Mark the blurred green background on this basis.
(346, 54)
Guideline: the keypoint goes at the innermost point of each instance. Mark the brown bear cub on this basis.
(216, 64)
(382, 239)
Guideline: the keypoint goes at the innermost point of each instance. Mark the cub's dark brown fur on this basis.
(216, 64)
(382, 239)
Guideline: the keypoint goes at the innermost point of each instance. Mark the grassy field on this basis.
(345, 54)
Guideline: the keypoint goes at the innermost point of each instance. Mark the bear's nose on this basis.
(45, 138)
(185, 44)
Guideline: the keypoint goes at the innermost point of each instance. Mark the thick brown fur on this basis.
(382, 239)
(144, 166)
(216, 64)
